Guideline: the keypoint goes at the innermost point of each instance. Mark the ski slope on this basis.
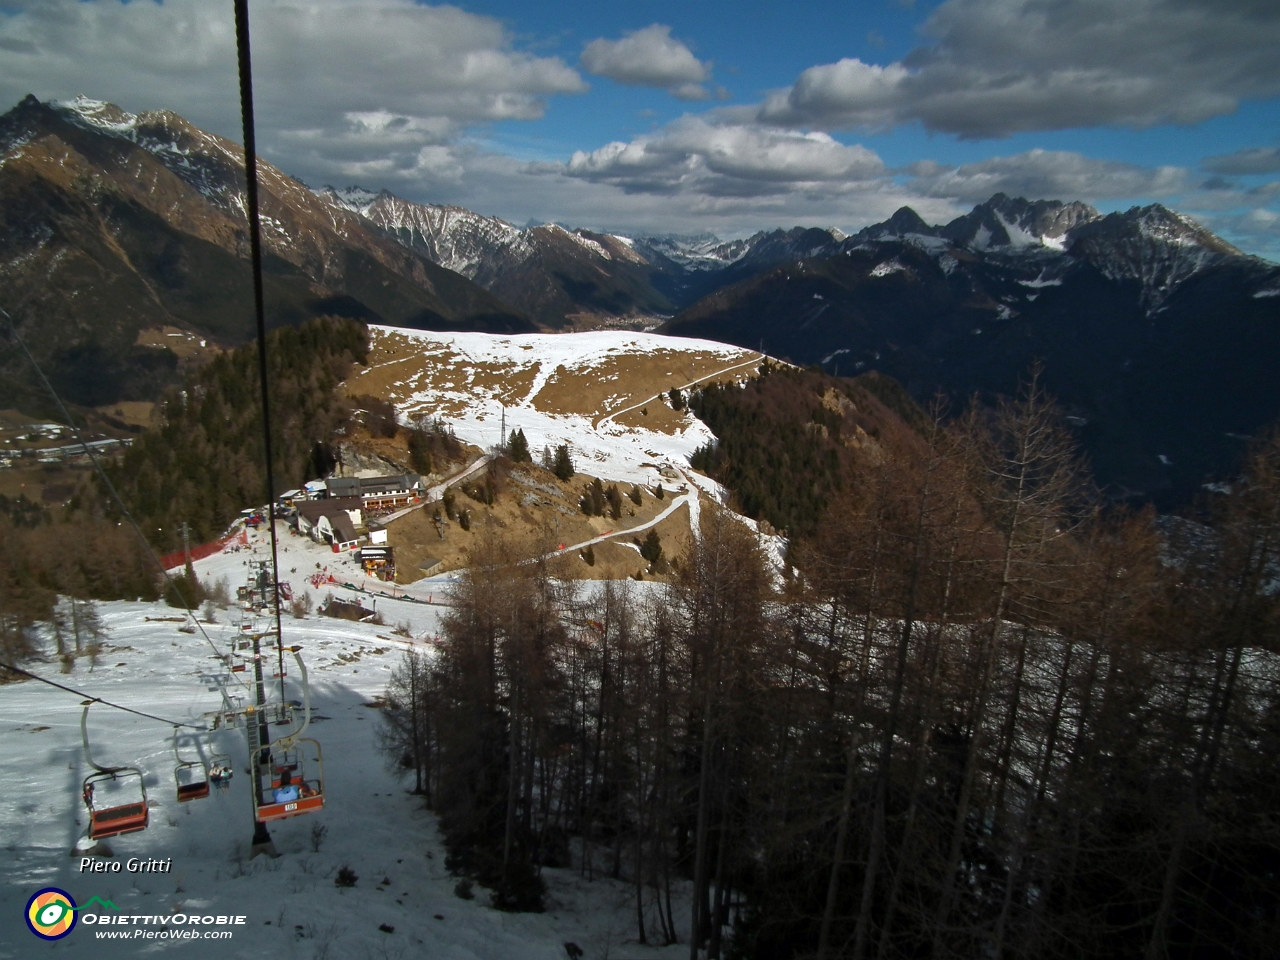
(292, 906)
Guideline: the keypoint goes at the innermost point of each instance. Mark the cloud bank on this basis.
(342, 79)
(997, 67)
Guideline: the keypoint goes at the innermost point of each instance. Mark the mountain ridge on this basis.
(112, 223)
(1157, 336)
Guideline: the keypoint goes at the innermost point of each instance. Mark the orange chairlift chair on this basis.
(191, 777)
(292, 782)
(116, 797)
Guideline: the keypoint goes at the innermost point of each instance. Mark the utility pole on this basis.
(502, 440)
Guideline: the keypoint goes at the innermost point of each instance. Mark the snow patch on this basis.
(886, 268)
(1039, 282)
(621, 450)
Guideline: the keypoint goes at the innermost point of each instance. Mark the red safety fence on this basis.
(178, 559)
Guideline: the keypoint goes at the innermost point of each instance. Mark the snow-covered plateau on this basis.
(557, 388)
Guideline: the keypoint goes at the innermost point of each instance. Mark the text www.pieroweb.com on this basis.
(174, 927)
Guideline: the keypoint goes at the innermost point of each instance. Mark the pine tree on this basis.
(405, 732)
(593, 500)
(651, 549)
(518, 447)
(563, 466)
(420, 451)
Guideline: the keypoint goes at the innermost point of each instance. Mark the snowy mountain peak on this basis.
(1160, 224)
(99, 113)
(1153, 244)
(904, 222)
(354, 198)
(1015, 223)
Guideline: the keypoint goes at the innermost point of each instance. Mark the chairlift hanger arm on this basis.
(84, 739)
(284, 743)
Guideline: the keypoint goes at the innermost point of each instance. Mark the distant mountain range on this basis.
(561, 278)
(113, 223)
(1159, 337)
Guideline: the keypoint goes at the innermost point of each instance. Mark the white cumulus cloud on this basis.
(649, 58)
(336, 82)
(694, 155)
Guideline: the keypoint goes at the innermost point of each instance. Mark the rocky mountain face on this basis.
(567, 279)
(1158, 337)
(561, 278)
(113, 223)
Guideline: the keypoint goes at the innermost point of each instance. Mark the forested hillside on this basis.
(788, 440)
(207, 461)
(988, 720)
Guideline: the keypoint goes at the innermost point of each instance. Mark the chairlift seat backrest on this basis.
(193, 791)
(192, 781)
(114, 821)
(118, 818)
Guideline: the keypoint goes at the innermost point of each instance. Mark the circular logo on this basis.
(51, 913)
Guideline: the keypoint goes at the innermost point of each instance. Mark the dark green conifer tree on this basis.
(518, 447)
(563, 466)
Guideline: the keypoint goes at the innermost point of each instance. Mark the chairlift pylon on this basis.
(109, 819)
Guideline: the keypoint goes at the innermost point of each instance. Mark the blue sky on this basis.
(723, 117)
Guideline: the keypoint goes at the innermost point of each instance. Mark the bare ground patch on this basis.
(537, 513)
(399, 367)
(621, 380)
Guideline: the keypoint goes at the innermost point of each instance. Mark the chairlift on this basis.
(220, 771)
(107, 817)
(291, 783)
(191, 777)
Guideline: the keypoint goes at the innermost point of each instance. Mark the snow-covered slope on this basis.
(453, 237)
(557, 276)
(292, 906)
(600, 392)
(696, 253)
